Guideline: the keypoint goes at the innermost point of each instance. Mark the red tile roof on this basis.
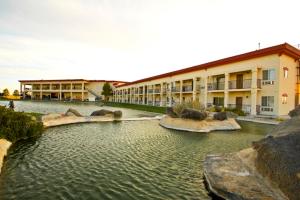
(72, 80)
(278, 49)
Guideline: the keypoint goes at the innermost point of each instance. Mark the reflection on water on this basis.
(85, 108)
(124, 160)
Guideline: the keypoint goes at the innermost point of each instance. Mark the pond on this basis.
(123, 160)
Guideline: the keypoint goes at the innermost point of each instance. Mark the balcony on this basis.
(245, 108)
(215, 86)
(36, 88)
(240, 84)
(187, 88)
(175, 89)
(150, 91)
(157, 91)
(46, 88)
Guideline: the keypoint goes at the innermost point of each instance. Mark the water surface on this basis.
(124, 160)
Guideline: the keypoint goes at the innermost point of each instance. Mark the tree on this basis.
(106, 91)
(16, 93)
(5, 92)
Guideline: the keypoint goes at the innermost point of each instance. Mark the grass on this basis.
(147, 108)
(10, 97)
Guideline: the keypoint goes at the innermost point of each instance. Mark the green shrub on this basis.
(15, 126)
(236, 111)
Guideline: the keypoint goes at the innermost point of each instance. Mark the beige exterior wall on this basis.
(204, 81)
(63, 90)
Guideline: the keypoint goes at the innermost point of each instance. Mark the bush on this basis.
(15, 126)
(236, 111)
(188, 113)
(195, 105)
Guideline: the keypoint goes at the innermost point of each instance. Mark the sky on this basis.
(129, 40)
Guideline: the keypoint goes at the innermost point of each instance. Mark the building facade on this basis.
(64, 89)
(261, 82)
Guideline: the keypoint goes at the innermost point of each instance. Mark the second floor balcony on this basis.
(187, 88)
(216, 86)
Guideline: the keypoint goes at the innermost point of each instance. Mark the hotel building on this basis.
(64, 89)
(261, 82)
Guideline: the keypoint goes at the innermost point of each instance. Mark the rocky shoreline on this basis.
(270, 169)
(203, 126)
(4, 146)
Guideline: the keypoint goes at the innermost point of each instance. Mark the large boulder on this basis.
(295, 112)
(220, 116)
(102, 112)
(170, 112)
(73, 112)
(117, 114)
(188, 113)
(278, 160)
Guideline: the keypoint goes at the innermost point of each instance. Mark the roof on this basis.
(284, 48)
(72, 80)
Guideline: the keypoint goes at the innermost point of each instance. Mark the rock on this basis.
(170, 112)
(278, 160)
(273, 172)
(295, 112)
(117, 114)
(73, 112)
(101, 112)
(220, 116)
(193, 114)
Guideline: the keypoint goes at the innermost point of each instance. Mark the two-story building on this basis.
(265, 81)
(64, 89)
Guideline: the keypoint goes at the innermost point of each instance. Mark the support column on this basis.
(254, 91)
(82, 93)
(161, 94)
(194, 88)
(59, 91)
(71, 93)
(170, 94)
(180, 92)
(226, 94)
(41, 92)
(144, 94)
(153, 95)
(205, 91)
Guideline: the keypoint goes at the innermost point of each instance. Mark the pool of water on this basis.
(123, 160)
(85, 108)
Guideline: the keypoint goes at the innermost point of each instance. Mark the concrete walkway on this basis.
(257, 119)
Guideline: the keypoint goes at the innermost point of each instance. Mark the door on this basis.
(239, 81)
(239, 102)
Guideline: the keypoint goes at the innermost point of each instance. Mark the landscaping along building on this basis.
(64, 89)
(261, 82)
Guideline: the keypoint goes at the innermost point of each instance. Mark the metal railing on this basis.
(240, 84)
(187, 88)
(175, 89)
(216, 86)
(157, 91)
(243, 107)
(150, 91)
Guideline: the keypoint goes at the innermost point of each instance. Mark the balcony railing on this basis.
(36, 88)
(175, 89)
(240, 84)
(157, 91)
(46, 88)
(215, 86)
(150, 91)
(187, 88)
(244, 107)
(157, 103)
(150, 103)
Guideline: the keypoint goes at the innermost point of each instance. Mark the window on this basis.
(267, 103)
(268, 76)
(285, 72)
(218, 101)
